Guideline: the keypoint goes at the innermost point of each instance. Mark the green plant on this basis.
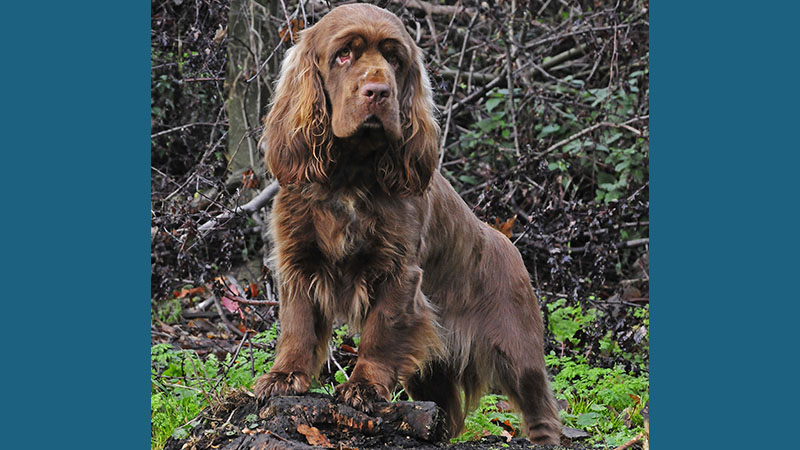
(566, 321)
(339, 377)
(487, 419)
(170, 410)
(604, 401)
(168, 311)
(493, 126)
(492, 131)
(183, 383)
(616, 155)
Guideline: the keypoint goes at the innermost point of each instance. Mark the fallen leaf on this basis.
(574, 433)
(506, 435)
(249, 180)
(229, 304)
(506, 226)
(502, 406)
(184, 292)
(505, 425)
(220, 34)
(253, 290)
(349, 349)
(297, 25)
(314, 436)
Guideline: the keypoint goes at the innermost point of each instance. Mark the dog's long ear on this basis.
(411, 170)
(297, 139)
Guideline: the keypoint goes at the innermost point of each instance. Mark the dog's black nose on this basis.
(375, 92)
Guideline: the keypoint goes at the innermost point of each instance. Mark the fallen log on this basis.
(314, 421)
(310, 421)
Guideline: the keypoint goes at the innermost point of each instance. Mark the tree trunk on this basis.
(250, 40)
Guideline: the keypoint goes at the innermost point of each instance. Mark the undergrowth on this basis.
(606, 402)
(183, 383)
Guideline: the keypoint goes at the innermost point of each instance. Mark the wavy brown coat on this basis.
(367, 232)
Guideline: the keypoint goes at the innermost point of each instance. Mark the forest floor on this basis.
(315, 421)
(234, 419)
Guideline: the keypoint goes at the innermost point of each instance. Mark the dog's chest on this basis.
(344, 225)
(352, 237)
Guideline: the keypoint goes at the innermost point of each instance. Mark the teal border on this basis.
(75, 184)
(724, 170)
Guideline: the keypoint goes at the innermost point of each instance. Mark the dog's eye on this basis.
(344, 55)
(394, 60)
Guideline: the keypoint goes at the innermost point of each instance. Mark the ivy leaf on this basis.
(588, 420)
(492, 103)
(548, 130)
(468, 179)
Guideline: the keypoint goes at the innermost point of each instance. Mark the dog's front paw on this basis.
(281, 383)
(361, 395)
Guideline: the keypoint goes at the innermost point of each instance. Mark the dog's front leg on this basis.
(302, 345)
(399, 335)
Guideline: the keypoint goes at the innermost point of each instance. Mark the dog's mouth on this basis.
(379, 126)
(372, 122)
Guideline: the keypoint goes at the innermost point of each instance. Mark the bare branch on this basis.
(248, 208)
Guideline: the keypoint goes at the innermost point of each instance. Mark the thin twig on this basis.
(224, 318)
(332, 358)
(565, 55)
(239, 299)
(188, 125)
(248, 208)
(430, 8)
(480, 92)
(511, 107)
(434, 38)
(453, 92)
(588, 130)
(233, 360)
(636, 439)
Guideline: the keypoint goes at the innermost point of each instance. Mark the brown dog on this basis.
(367, 232)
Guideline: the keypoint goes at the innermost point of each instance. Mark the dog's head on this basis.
(355, 78)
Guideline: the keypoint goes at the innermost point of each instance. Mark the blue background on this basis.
(75, 218)
(76, 224)
(724, 166)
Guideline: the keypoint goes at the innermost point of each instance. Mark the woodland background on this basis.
(544, 108)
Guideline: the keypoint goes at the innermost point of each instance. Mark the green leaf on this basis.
(608, 186)
(468, 179)
(604, 177)
(588, 420)
(492, 103)
(180, 433)
(573, 146)
(548, 130)
(613, 138)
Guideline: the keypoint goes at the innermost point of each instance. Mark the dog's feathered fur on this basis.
(367, 232)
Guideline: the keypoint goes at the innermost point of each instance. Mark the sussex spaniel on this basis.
(367, 232)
